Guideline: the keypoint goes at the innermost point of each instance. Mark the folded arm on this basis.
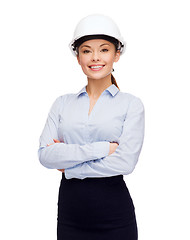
(62, 155)
(124, 159)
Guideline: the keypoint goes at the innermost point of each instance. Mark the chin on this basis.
(98, 75)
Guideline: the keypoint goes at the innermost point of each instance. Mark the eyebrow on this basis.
(104, 44)
(100, 45)
(85, 46)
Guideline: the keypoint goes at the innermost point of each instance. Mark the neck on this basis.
(95, 87)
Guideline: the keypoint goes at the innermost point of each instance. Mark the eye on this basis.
(104, 50)
(86, 51)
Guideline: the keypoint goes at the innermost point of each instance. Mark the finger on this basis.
(49, 144)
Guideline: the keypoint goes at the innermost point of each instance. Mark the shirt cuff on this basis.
(68, 173)
(101, 149)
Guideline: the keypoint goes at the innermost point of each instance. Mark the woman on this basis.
(95, 137)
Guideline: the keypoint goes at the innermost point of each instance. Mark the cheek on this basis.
(110, 59)
(83, 64)
(83, 61)
(109, 62)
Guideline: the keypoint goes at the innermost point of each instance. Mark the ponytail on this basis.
(114, 81)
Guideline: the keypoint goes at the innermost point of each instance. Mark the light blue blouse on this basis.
(85, 139)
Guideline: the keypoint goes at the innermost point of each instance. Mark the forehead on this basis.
(96, 42)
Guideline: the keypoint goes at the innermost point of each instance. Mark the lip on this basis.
(97, 67)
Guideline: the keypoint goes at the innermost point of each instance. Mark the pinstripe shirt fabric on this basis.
(84, 149)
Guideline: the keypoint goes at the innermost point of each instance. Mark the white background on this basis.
(36, 66)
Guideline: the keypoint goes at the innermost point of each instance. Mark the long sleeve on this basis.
(124, 159)
(62, 155)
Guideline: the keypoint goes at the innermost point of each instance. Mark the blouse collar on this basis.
(112, 89)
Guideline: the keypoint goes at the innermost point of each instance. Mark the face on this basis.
(96, 58)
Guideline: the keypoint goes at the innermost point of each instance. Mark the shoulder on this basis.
(59, 102)
(63, 98)
(130, 100)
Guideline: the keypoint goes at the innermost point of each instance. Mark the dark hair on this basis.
(113, 40)
(114, 81)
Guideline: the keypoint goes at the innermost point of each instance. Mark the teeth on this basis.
(95, 67)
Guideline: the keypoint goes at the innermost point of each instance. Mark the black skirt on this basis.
(95, 209)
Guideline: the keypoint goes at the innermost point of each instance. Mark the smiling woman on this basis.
(96, 57)
(94, 137)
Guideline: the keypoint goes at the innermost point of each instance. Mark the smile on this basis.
(96, 67)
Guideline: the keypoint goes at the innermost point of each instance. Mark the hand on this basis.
(55, 141)
(61, 170)
(113, 147)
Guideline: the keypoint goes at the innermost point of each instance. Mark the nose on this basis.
(95, 56)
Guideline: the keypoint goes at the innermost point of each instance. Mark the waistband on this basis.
(100, 179)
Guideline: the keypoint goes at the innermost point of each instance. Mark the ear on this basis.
(78, 59)
(117, 56)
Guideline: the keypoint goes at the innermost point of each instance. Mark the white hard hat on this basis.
(97, 26)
